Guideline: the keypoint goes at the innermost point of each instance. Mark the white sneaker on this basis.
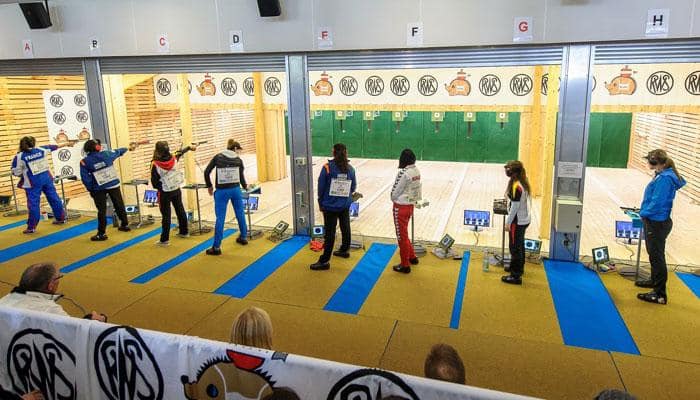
(180, 235)
(162, 244)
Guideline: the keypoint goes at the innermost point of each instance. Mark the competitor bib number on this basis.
(39, 165)
(105, 175)
(340, 187)
(172, 180)
(227, 175)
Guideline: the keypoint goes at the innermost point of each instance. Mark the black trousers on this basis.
(516, 245)
(656, 234)
(330, 220)
(100, 198)
(173, 198)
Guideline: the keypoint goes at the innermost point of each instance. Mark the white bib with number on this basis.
(105, 175)
(171, 180)
(227, 175)
(39, 165)
(340, 187)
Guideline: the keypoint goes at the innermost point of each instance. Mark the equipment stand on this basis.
(14, 198)
(419, 249)
(69, 214)
(200, 229)
(142, 222)
(252, 233)
(633, 213)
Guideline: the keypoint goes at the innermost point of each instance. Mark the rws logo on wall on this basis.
(67, 118)
(221, 88)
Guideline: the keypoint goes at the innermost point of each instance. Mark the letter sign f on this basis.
(414, 30)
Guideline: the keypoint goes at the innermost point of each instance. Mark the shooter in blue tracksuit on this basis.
(336, 184)
(31, 164)
(656, 216)
(100, 179)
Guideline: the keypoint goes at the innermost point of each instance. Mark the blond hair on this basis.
(252, 327)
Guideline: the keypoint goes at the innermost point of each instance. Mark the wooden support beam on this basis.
(260, 140)
(115, 104)
(533, 153)
(187, 138)
(550, 134)
(275, 141)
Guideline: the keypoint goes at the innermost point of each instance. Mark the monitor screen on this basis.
(625, 230)
(150, 196)
(601, 255)
(317, 231)
(253, 201)
(532, 245)
(477, 218)
(281, 227)
(355, 209)
(446, 242)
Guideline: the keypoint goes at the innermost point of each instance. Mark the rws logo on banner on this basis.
(371, 384)
(489, 85)
(374, 85)
(228, 86)
(692, 83)
(521, 84)
(248, 86)
(660, 83)
(348, 85)
(399, 85)
(273, 87)
(427, 85)
(163, 87)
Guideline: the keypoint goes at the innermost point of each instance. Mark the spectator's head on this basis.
(282, 394)
(233, 145)
(92, 146)
(41, 277)
(614, 394)
(252, 327)
(443, 363)
(27, 143)
(408, 157)
(162, 151)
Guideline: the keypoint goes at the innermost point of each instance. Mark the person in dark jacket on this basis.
(100, 179)
(31, 165)
(166, 178)
(229, 180)
(336, 184)
(656, 216)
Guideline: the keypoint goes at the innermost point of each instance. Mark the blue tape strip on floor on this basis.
(692, 281)
(355, 289)
(174, 262)
(12, 225)
(459, 293)
(587, 314)
(68, 232)
(253, 275)
(108, 252)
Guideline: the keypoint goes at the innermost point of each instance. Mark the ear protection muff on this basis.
(98, 147)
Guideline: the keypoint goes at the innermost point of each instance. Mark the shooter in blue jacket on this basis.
(31, 164)
(656, 215)
(100, 179)
(336, 184)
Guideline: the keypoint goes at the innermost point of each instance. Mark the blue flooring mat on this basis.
(68, 232)
(108, 252)
(692, 281)
(12, 225)
(179, 259)
(459, 292)
(253, 275)
(587, 315)
(353, 292)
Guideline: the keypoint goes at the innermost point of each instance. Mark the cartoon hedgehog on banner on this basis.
(207, 87)
(622, 84)
(459, 86)
(323, 87)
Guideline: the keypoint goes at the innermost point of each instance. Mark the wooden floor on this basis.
(453, 187)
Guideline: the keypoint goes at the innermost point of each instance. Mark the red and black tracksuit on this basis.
(405, 192)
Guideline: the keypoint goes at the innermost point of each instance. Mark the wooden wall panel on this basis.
(679, 135)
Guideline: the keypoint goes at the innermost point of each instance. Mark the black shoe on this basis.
(240, 240)
(213, 252)
(402, 269)
(414, 261)
(343, 254)
(652, 297)
(124, 229)
(99, 238)
(644, 284)
(513, 280)
(320, 266)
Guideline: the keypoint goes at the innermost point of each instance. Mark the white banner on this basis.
(70, 359)
(68, 118)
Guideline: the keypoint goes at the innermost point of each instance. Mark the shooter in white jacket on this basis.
(404, 194)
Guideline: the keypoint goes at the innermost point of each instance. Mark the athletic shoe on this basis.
(644, 284)
(320, 266)
(28, 231)
(513, 280)
(99, 238)
(183, 235)
(414, 261)
(213, 252)
(652, 297)
(343, 254)
(402, 269)
(163, 244)
(124, 229)
(240, 240)
(59, 222)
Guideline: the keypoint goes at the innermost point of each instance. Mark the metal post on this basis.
(96, 100)
(503, 242)
(571, 140)
(138, 204)
(300, 144)
(199, 210)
